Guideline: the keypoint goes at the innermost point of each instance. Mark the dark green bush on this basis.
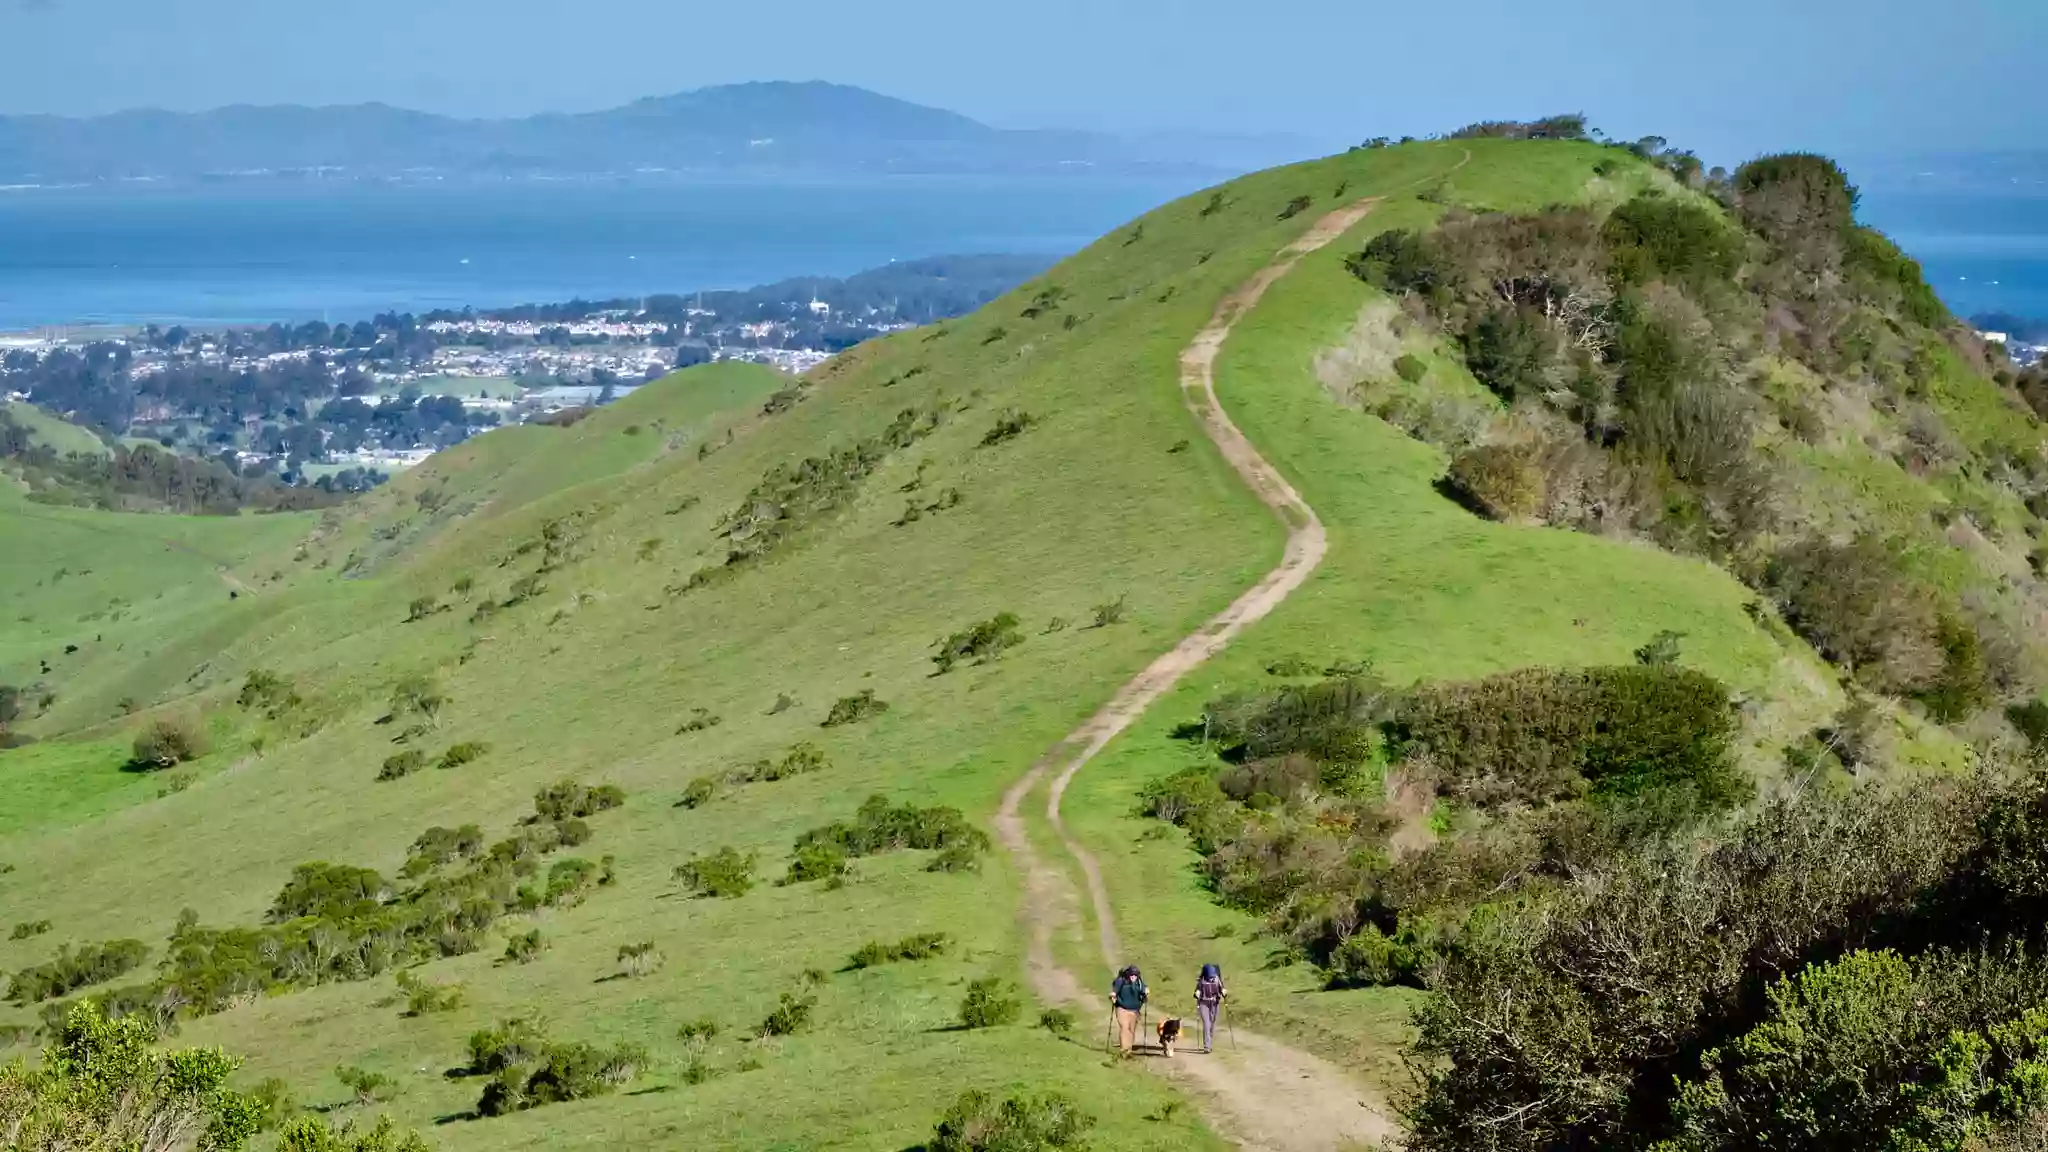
(330, 892)
(923, 946)
(422, 998)
(1057, 1021)
(72, 969)
(459, 754)
(1410, 368)
(877, 828)
(984, 641)
(640, 959)
(803, 757)
(525, 947)
(816, 862)
(366, 1086)
(699, 792)
(1672, 238)
(990, 1003)
(512, 1043)
(422, 607)
(727, 873)
(1296, 207)
(439, 846)
(1022, 1123)
(790, 1016)
(1010, 424)
(569, 798)
(27, 929)
(1548, 734)
(853, 709)
(1109, 612)
(400, 765)
(565, 1072)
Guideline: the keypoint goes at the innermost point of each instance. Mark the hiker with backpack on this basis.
(1127, 998)
(1209, 994)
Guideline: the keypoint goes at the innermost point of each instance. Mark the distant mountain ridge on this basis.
(757, 128)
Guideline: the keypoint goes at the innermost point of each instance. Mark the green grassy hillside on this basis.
(59, 435)
(687, 582)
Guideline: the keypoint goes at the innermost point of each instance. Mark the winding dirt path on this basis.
(1266, 1096)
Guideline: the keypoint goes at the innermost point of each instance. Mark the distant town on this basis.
(346, 405)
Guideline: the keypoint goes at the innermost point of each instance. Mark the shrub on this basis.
(525, 947)
(265, 690)
(877, 828)
(816, 862)
(463, 586)
(438, 846)
(422, 607)
(1858, 606)
(273, 1104)
(698, 1032)
(512, 1043)
(402, 764)
(803, 757)
(923, 946)
(984, 641)
(568, 798)
(853, 709)
(637, 960)
(459, 754)
(1296, 207)
(1010, 424)
(417, 695)
(1410, 368)
(1673, 239)
(1370, 959)
(990, 1002)
(71, 970)
(699, 792)
(368, 1087)
(1661, 650)
(168, 742)
(422, 998)
(956, 858)
(1620, 731)
(1109, 612)
(976, 1123)
(27, 929)
(329, 892)
(566, 1072)
(1500, 481)
(569, 881)
(792, 1012)
(1057, 1021)
(727, 873)
(701, 720)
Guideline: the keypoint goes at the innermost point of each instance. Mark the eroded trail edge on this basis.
(1263, 1094)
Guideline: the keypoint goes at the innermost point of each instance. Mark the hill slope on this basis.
(720, 579)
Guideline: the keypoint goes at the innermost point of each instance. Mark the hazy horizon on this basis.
(1742, 78)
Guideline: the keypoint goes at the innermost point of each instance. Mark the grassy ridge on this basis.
(1110, 492)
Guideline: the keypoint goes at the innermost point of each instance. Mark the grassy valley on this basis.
(578, 726)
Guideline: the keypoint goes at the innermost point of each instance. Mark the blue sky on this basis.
(1728, 78)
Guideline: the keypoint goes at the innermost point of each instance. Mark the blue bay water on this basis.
(1983, 249)
(261, 253)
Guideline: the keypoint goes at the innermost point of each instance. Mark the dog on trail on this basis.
(1169, 1034)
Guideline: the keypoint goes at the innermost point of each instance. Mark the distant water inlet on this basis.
(296, 252)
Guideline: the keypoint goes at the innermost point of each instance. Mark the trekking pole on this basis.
(1229, 1022)
(1109, 1038)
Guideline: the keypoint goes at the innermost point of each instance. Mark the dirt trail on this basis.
(1262, 1094)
